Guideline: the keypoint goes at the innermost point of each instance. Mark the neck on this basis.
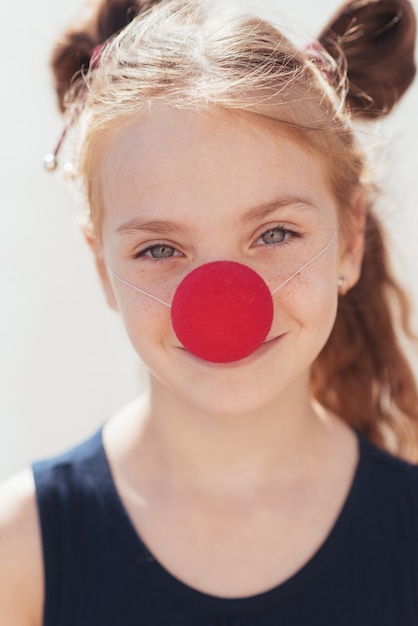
(212, 450)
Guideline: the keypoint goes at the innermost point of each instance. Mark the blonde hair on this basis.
(183, 54)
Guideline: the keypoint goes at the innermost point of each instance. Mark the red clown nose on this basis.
(222, 311)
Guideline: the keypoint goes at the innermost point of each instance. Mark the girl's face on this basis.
(180, 189)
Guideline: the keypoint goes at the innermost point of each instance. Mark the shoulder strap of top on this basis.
(70, 506)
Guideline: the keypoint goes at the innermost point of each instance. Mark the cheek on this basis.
(146, 321)
(310, 301)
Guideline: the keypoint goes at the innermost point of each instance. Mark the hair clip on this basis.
(51, 158)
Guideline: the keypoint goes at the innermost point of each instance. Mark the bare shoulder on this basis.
(21, 568)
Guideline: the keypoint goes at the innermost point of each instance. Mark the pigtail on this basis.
(363, 373)
(73, 52)
(376, 39)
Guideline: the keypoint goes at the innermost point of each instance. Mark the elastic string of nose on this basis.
(222, 311)
(329, 244)
(145, 293)
(298, 271)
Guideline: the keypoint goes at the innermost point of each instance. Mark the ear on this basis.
(96, 248)
(352, 237)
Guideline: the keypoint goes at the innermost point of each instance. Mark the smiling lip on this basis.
(265, 347)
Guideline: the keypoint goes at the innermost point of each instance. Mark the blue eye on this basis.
(159, 251)
(274, 235)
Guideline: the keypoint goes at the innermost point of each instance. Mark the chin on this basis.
(234, 393)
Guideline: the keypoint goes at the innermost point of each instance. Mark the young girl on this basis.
(259, 482)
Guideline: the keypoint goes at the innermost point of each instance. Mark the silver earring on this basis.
(342, 285)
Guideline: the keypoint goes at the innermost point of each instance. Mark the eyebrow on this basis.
(255, 213)
(284, 202)
(153, 226)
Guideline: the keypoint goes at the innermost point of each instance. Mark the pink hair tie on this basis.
(332, 69)
(315, 50)
(96, 55)
(318, 55)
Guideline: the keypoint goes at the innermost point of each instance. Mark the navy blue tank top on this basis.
(98, 572)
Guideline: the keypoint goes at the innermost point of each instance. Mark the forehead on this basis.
(192, 163)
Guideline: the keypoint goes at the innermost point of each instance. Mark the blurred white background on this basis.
(65, 364)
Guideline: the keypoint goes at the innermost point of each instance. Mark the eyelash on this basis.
(144, 253)
(288, 235)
